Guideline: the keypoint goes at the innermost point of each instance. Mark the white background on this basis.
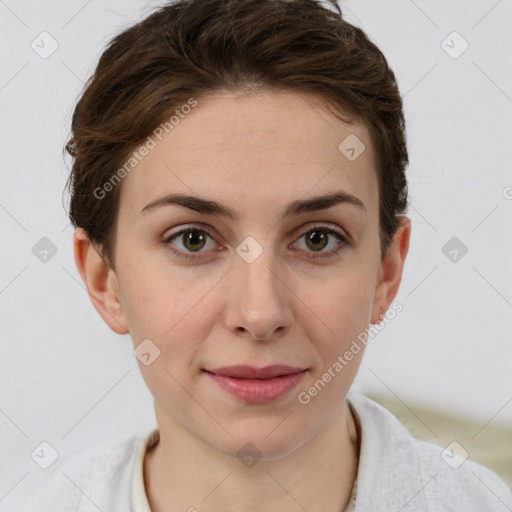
(65, 378)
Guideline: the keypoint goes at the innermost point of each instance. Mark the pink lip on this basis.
(257, 385)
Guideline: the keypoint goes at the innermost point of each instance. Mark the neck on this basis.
(182, 473)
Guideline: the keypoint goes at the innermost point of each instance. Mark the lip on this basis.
(257, 385)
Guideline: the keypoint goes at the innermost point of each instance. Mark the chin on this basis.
(261, 439)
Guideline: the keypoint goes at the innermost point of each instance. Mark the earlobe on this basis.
(100, 281)
(390, 272)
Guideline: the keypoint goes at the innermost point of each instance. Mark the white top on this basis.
(396, 473)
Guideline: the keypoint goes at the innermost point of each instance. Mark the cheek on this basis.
(175, 314)
(157, 300)
(341, 314)
(339, 307)
(177, 323)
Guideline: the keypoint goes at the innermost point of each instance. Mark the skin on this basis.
(255, 153)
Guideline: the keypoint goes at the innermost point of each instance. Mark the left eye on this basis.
(319, 238)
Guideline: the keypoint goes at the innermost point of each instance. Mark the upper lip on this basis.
(250, 372)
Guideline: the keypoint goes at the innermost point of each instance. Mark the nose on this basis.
(259, 299)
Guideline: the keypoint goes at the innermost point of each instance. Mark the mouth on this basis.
(257, 385)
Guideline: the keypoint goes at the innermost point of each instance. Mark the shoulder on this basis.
(399, 472)
(456, 481)
(95, 478)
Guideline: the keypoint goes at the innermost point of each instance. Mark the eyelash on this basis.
(317, 227)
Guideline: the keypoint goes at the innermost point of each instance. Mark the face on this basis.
(283, 280)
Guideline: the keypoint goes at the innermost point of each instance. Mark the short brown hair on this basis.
(191, 48)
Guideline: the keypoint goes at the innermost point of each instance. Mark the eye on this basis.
(188, 241)
(194, 239)
(320, 237)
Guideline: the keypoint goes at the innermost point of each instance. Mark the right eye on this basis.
(192, 240)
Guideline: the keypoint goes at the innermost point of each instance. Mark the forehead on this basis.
(268, 147)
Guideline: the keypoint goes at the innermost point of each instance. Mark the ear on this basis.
(390, 272)
(101, 282)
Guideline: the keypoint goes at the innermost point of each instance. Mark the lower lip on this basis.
(258, 390)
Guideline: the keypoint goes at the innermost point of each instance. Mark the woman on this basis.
(239, 197)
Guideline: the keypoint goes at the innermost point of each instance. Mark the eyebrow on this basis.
(206, 206)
